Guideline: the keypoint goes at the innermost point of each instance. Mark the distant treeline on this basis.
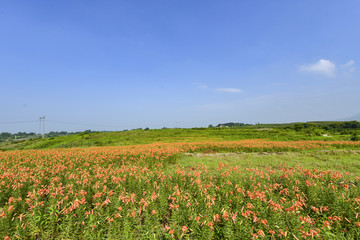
(5, 136)
(330, 126)
(232, 124)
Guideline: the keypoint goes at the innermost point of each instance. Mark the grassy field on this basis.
(134, 137)
(327, 160)
(183, 190)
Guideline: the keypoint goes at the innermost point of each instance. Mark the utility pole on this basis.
(42, 126)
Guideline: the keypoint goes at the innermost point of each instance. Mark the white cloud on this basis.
(200, 85)
(228, 90)
(323, 66)
(349, 66)
(203, 86)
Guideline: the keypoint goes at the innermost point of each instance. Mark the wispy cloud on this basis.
(323, 66)
(349, 66)
(200, 85)
(349, 63)
(203, 86)
(228, 90)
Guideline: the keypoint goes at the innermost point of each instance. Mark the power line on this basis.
(18, 122)
(61, 122)
(81, 124)
(41, 122)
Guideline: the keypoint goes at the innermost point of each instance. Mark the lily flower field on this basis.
(152, 192)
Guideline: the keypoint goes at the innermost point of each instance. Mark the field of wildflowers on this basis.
(130, 193)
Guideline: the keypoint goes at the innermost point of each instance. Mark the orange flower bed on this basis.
(107, 192)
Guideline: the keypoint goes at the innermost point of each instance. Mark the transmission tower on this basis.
(42, 126)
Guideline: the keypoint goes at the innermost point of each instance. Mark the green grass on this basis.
(328, 160)
(135, 137)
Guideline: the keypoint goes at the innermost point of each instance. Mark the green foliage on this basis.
(354, 137)
(232, 124)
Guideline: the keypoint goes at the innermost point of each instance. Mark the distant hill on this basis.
(355, 117)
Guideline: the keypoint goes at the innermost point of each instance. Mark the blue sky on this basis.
(114, 65)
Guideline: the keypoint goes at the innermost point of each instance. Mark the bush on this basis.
(354, 137)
